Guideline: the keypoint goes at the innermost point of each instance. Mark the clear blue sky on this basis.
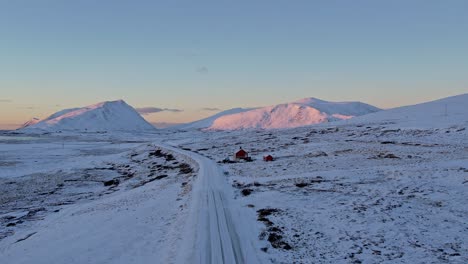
(222, 54)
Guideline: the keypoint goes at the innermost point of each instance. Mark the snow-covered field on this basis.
(382, 188)
(91, 199)
(352, 194)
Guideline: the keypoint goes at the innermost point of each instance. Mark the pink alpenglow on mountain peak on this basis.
(105, 116)
(304, 112)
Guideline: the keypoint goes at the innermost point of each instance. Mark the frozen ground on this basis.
(92, 199)
(349, 193)
(98, 198)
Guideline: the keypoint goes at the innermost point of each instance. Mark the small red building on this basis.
(268, 158)
(241, 154)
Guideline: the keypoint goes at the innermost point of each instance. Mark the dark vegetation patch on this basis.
(267, 212)
(263, 213)
(160, 154)
(185, 168)
(156, 153)
(160, 177)
(240, 185)
(26, 237)
(276, 240)
(385, 156)
(391, 156)
(246, 192)
(169, 157)
(142, 183)
(302, 184)
(227, 160)
(273, 233)
(113, 182)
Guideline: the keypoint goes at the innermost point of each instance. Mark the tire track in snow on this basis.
(225, 246)
(216, 239)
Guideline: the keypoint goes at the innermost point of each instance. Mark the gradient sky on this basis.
(191, 55)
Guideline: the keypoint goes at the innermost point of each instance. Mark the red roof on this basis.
(241, 153)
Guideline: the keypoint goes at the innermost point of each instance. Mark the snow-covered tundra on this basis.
(388, 187)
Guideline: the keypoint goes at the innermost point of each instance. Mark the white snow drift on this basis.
(104, 116)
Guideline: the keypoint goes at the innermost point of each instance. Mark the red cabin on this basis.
(241, 154)
(268, 158)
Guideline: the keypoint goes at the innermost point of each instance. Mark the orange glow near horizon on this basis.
(13, 115)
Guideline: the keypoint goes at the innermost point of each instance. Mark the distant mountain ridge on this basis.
(441, 113)
(104, 116)
(304, 112)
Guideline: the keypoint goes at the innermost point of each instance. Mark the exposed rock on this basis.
(246, 192)
(301, 184)
(113, 182)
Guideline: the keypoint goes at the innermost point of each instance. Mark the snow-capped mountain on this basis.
(104, 116)
(207, 122)
(303, 112)
(442, 113)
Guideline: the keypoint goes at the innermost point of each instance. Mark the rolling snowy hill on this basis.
(442, 113)
(104, 116)
(304, 112)
(207, 122)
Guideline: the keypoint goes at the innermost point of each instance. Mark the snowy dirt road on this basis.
(219, 234)
(221, 243)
